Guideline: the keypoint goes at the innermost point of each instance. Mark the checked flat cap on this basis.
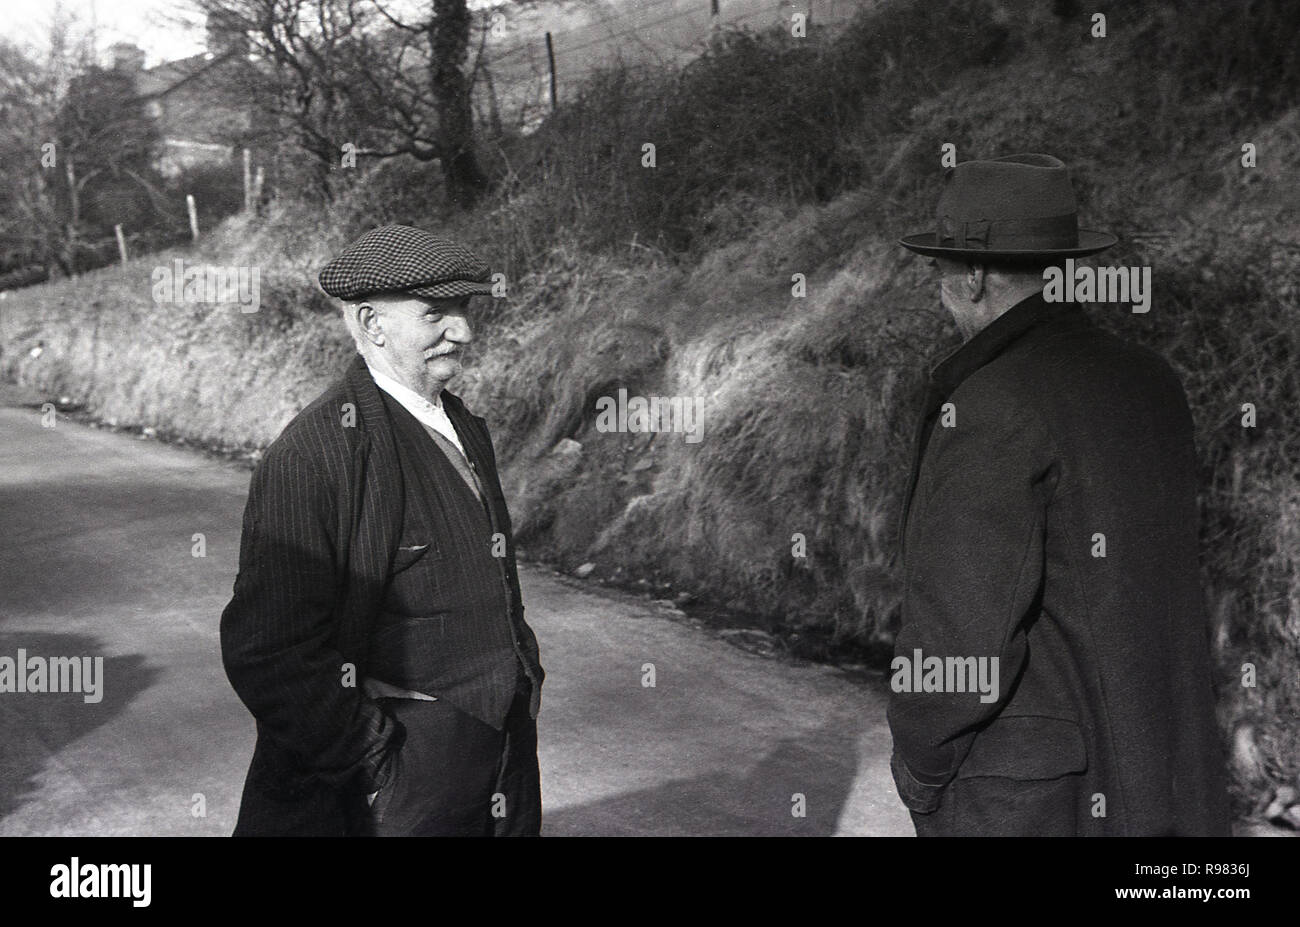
(400, 259)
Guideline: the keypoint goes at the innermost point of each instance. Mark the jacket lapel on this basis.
(372, 504)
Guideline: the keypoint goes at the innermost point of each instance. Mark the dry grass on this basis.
(209, 373)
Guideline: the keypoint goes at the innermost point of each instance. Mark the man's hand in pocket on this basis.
(390, 769)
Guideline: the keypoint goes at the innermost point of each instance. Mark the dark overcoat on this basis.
(1051, 523)
(321, 528)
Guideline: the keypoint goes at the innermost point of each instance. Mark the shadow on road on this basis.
(36, 726)
(821, 766)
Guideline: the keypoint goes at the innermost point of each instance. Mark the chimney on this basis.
(225, 33)
(127, 57)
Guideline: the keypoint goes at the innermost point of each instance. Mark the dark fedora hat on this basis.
(1017, 208)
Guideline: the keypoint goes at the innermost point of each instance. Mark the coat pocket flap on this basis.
(1026, 747)
(408, 555)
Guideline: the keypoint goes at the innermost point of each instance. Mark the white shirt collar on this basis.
(403, 394)
(428, 413)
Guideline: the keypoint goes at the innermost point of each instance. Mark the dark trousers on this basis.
(456, 776)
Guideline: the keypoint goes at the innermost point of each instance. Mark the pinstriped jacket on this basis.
(320, 532)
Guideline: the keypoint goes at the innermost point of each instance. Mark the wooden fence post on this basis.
(550, 60)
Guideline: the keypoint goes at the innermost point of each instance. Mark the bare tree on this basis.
(31, 91)
(446, 30)
(351, 71)
(107, 145)
(304, 61)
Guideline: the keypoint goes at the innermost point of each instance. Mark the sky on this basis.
(583, 29)
(165, 29)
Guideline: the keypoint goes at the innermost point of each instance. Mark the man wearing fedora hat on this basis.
(1049, 531)
(376, 632)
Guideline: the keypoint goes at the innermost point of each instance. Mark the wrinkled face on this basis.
(421, 339)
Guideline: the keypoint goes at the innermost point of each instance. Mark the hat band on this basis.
(1047, 233)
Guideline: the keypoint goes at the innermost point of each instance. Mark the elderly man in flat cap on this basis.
(1049, 545)
(376, 631)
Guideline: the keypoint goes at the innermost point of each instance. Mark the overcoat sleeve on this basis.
(973, 572)
(277, 632)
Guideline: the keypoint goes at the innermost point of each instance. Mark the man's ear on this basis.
(369, 323)
(975, 274)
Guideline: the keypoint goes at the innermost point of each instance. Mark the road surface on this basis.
(97, 544)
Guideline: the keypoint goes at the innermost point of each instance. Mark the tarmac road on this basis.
(97, 543)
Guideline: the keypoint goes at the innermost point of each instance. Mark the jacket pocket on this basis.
(1026, 747)
(409, 554)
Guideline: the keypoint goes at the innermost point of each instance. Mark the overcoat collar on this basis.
(370, 405)
(992, 340)
(963, 361)
(370, 531)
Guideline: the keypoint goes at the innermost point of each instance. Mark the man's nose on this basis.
(458, 330)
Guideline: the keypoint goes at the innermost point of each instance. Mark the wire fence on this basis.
(517, 80)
